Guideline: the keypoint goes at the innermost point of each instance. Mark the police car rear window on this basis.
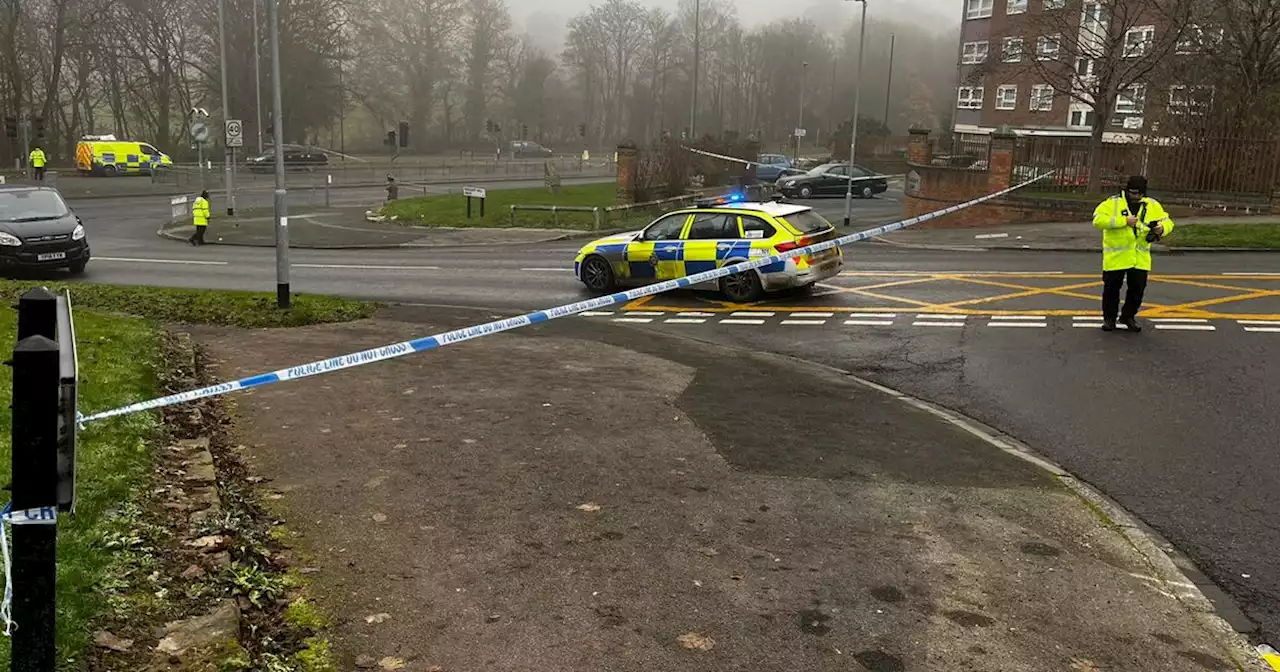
(807, 221)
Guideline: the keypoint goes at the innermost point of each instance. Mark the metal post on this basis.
(595, 217)
(893, 39)
(697, 36)
(24, 126)
(804, 70)
(328, 180)
(277, 141)
(257, 76)
(853, 131)
(229, 174)
(200, 160)
(36, 385)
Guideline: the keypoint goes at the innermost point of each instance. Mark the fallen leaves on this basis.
(376, 618)
(379, 517)
(109, 641)
(589, 506)
(391, 663)
(695, 641)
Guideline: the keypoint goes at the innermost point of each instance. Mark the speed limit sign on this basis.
(235, 133)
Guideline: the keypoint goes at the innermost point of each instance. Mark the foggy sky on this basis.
(544, 20)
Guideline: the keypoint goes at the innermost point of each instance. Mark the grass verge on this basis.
(108, 548)
(119, 358)
(236, 309)
(451, 209)
(1252, 235)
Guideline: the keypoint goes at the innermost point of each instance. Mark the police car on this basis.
(715, 233)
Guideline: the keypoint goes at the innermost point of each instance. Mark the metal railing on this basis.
(555, 210)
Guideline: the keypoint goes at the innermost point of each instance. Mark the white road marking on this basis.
(741, 321)
(634, 320)
(1093, 318)
(804, 322)
(695, 314)
(684, 320)
(866, 274)
(869, 323)
(937, 316)
(1265, 330)
(1016, 324)
(937, 324)
(1261, 322)
(875, 316)
(813, 314)
(1268, 274)
(548, 270)
(361, 267)
(595, 313)
(1190, 320)
(645, 313)
(752, 314)
(1019, 318)
(1187, 327)
(193, 262)
(1087, 325)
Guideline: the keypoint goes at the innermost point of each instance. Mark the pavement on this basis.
(583, 496)
(1175, 424)
(1061, 237)
(348, 228)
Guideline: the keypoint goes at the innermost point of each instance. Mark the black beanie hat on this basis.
(1137, 183)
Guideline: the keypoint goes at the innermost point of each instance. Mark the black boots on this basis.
(1131, 323)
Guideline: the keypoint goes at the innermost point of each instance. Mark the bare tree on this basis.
(1104, 54)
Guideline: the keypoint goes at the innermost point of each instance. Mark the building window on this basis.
(978, 9)
(1016, 7)
(969, 98)
(1007, 97)
(1131, 99)
(1095, 15)
(1048, 48)
(1137, 41)
(1042, 98)
(1011, 49)
(1084, 68)
(1194, 100)
(974, 53)
(1196, 39)
(1081, 119)
(1050, 5)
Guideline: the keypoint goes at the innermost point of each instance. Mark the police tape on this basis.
(459, 335)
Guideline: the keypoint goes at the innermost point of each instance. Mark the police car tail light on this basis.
(786, 247)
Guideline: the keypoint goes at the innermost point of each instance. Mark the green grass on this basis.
(450, 210)
(237, 309)
(1255, 235)
(119, 357)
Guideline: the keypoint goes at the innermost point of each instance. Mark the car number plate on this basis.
(51, 256)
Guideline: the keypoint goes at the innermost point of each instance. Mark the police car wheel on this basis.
(109, 169)
(597, 275)
(742, 287)
(806, 192)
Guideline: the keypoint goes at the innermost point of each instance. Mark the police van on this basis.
(105, 155)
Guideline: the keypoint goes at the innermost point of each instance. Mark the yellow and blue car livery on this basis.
(104, 155)
(712, 235)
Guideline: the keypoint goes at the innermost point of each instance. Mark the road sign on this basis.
(800, 132)
(199, 132)
(473, 192)
(235, 133)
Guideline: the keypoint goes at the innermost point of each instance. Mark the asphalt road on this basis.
(1178, 424)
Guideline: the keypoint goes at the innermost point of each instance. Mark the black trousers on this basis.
(198, 238)
(39, 172)
(1111, 283)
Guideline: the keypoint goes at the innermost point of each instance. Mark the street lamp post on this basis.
(853, 131)
(697, 35)
(277, 141)
(804, 70)
(893, 39)
(257, 77)
(228, 154)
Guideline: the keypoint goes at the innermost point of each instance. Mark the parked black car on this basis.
(39, 231)
(832, 179)
(296, 157)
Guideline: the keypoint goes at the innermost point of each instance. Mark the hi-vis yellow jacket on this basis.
(1124, 247)
(200, 212)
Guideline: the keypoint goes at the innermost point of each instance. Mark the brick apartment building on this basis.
(996, 86)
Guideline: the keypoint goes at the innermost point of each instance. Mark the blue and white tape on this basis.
(459, 335)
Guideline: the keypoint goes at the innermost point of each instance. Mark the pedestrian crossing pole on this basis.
(277, 142)
(228, 154)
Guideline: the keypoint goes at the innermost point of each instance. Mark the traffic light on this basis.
(582, 130)
(524, 131)
(404, 134)
(391, 139)
(489, 126)
(37, 124)
(11, 127)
